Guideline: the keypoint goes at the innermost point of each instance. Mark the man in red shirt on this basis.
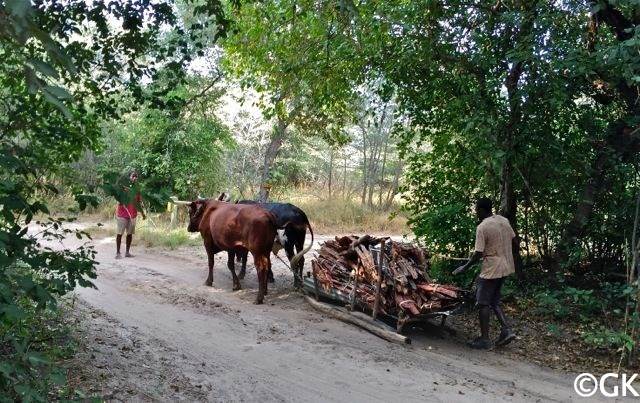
(126, 220)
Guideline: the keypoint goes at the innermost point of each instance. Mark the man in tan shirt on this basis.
(494, 241)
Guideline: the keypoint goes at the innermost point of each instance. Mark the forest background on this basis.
(394, 107)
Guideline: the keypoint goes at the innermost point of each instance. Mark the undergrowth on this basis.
(32, 351)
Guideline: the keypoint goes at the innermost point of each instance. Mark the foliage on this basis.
(65, 68)
(303, 65)
(295, 58)
(604, 337)
(597, 312)
(180, 152)
(33, 277)
(503, 100)
(39, 342)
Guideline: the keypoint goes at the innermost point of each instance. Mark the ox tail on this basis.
(299, 255)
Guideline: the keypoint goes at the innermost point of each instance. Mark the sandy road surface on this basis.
(154, 332)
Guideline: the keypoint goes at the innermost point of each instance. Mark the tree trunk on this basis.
(508, 208)
(270, 155)
(330, 183)
(365, 168)
(383, 168)
(621, 146)
(344, 178)
(393, 189)
(508, 202)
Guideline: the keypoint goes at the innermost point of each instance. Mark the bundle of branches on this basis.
(352, 262)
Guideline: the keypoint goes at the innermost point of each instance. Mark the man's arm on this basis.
(139, 200)
(475, 258)
(144, 216)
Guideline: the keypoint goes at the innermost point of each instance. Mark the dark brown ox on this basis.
(235, 228)
(295, 223)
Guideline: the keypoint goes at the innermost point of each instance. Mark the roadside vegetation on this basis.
(401, 109)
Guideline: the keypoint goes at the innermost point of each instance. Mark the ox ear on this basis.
(195, 208)
(224, 196)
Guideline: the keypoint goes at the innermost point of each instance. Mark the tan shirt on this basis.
(493, 239)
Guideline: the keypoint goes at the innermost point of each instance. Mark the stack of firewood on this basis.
(351, 263)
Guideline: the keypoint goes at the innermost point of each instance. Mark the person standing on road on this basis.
(494, 242)
(126, 219)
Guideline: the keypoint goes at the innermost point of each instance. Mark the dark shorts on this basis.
(489, 291)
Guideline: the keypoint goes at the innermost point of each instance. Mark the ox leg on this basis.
(231, 264)
(242, 257)
(262, 267)
(270, 277)
(299, 245)
(211, 254)
(243, 269)
(297, 271)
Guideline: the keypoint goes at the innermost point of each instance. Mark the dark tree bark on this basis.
(508, 202)
(270, 156)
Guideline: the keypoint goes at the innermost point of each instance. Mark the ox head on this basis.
(196, 209)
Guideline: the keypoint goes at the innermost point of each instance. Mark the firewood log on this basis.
(440, 290)
(407, 304)
(405, 286)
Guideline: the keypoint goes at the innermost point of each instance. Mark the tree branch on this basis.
(201, 94)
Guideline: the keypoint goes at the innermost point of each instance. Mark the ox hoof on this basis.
(236, 288)
(208, 283)
(258, 302)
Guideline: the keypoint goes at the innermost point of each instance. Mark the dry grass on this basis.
(343, 217)
(332, 217)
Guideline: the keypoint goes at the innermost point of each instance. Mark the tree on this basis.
(614, 80)
(375, 122)
(501, 101)
(297, 58)
(65, 68)
(181, 150)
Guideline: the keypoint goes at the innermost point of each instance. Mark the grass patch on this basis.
(101, 230)
(337, 217)
(156, 231)
(347, 217)
(164, 237)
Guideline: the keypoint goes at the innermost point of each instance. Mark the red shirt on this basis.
(130, 211)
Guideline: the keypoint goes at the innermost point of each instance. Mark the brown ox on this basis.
(235, 228)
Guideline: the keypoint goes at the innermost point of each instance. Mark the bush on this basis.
(32, 278)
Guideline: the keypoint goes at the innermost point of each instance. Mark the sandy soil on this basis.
(153, 332)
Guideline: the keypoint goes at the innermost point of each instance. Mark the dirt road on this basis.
(154, 332)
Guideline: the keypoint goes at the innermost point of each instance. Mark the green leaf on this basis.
(58, 378)
(52, 99)
(13, 312)
(58, 92)
(6, 370)
(36, 358)
(44, 68)
(18, 8)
